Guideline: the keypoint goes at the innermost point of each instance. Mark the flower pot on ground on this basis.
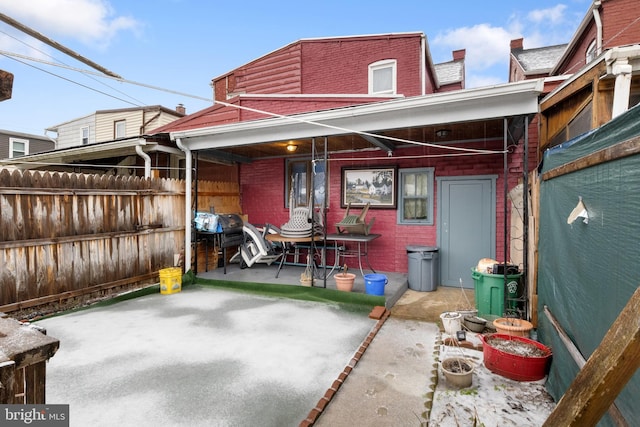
(516, 358)
(451, 321)
(458, 371)
(475, 323)
(512, 326)
(344, 281)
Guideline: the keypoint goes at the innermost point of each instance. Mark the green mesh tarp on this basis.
(588, 271)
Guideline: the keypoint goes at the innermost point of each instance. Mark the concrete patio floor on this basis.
(209, 356)
(201, 357)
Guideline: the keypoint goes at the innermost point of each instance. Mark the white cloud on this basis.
(554, 15)
(93, 22)
(485, 45)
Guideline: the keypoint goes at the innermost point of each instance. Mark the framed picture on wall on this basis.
(376, 186)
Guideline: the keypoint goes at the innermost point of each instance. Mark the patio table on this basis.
(362, 248)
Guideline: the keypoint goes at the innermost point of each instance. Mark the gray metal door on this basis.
(466, 226)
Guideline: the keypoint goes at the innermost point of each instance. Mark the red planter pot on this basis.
(513, 366)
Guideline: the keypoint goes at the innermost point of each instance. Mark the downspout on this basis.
(146, 158)
(187, 204)
(598, 21)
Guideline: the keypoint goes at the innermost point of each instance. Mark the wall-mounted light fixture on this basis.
(443, 133)
(291, 147)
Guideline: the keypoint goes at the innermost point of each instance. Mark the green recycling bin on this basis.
(490, 289)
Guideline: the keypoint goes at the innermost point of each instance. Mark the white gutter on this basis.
(598, 21)
(147, 161)
(576, 36)
(187, 204)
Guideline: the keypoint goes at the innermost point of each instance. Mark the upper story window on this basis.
(416, 196)
(590, 55)
(18, 147)
(120, 129)
(382, 77)
(85, 135)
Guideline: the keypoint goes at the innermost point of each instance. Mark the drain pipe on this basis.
(146, 158)
(187, 203)
(598, 21)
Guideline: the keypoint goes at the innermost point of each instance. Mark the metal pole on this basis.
(504, 211)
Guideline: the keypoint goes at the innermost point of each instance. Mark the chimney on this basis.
(517, 44)
(459, 54)
(180, 109)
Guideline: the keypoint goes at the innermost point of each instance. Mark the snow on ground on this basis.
(491, 401)
(199, 357)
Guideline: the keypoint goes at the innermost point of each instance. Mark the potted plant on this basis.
(344, 280)
(458, 371)
(306, 278)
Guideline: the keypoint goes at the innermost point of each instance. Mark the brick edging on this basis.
(382, 315)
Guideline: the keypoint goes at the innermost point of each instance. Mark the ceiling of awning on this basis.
(470, 115)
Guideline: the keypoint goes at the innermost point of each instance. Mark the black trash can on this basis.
(424, 268)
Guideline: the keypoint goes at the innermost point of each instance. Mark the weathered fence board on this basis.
(65, 234)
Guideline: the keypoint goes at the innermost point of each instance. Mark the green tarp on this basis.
(588, 270)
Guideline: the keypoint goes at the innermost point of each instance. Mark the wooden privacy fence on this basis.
(65, 236)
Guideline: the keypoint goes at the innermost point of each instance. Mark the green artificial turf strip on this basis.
(352, 301)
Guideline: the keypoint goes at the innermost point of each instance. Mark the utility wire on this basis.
(66, 79)
(267, 113)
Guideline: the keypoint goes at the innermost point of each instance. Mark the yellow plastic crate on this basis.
(170, 280)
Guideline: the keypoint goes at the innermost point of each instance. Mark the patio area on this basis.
(201, 357)
(290, 275)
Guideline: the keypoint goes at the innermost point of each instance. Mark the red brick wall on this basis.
(618, 29)
(263, 199)
(342, 65)
(297, 105)
(618, 26)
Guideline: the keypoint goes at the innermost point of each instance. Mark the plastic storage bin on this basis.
(170, 280)
(489, 292)
(424, 268)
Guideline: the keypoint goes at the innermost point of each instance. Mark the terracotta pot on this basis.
(344, 281)
(514, 327)
(458, 371)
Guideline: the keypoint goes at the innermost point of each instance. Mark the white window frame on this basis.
(382, 65)
(18, 153)
(84, 140)
(402, 174)
(590, 54)
(119, 125)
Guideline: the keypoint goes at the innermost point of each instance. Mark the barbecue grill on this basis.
(231, 235)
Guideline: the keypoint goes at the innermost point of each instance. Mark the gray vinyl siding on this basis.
(37, 144)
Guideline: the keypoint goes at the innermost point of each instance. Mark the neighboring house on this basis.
(587, 270)
(372, 102)
(17, 144)
(603, 62)
(110, 125)
(111, 141)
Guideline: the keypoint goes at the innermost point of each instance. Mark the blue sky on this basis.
(180, 45)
